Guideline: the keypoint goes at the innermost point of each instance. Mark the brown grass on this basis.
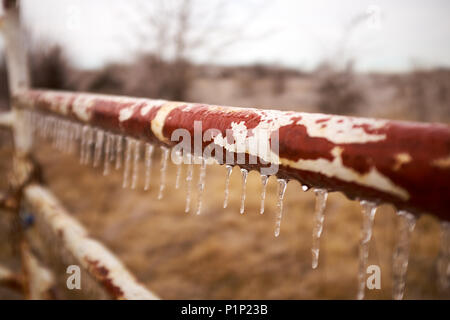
(224, 255)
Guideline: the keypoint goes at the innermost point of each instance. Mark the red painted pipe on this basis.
(403, 163)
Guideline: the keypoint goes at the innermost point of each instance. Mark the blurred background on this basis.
(379, 59)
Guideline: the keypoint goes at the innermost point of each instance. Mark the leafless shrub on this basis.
(148, 76)
(338, 91)
(178, 31)
(49, 67)
(152, 76)
(426, 94)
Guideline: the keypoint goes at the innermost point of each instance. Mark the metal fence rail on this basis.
(403, 163)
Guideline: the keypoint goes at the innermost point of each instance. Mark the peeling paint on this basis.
(341, 129)
(127, 112)
(336, 169)
(158, 122)
(150, 105)
(82, 107)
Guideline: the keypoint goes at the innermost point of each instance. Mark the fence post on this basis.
(33, 274)
(18, 71)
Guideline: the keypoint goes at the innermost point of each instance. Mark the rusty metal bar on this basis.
(403, 163)
(101, 264)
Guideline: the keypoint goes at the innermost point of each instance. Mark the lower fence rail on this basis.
(71, 239)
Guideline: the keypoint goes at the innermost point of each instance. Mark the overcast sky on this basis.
(395, 35)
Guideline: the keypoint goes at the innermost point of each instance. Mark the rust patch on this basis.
(101, 274)
(211, 118)
(295, 144)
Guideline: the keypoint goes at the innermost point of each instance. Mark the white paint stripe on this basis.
(157, 123)
(335, 169)
(340, 129)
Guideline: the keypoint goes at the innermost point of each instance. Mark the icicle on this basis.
(112, 148)
(177, 180)
(98, 147)
(55, 133)
(41, 126)
(126, 170)
(189, 183)
(89, 143)
(107, 154)
(62, 136)
(46, 127)
(164, 158)
(244, 173)
(321, 202)
(264, 180)
(71, 137)
(401, 253)
(201, 185)
(148, 164)
(137, 155)
(368, 209)
(51, 127)
(78, 132)
(305, 187)
(227, 184)
(83, 142)
(67, 137)
(282, 184)
(443, 263)
(119, 148)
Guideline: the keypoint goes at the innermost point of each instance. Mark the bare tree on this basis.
(178, 32)
(186, 29)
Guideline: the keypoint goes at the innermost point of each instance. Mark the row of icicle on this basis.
(66, 135)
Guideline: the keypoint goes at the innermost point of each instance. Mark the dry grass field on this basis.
(222, 254)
